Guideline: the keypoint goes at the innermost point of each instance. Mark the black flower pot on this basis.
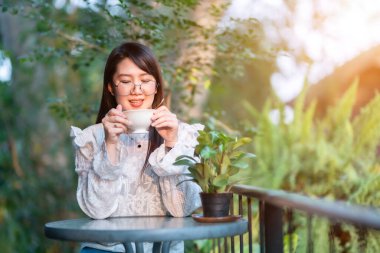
(216, 204)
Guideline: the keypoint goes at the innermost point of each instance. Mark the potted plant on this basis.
(218, 161)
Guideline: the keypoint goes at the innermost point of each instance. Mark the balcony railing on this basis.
(276, 211)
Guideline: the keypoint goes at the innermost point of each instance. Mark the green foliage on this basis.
(57, 63)
(58, 55)
(334, 156)
(240, 44)
(220, 159)
(294, 242)
(81, 38)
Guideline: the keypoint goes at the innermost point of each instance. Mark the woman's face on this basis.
(134, 88)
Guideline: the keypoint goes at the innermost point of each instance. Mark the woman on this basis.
(133, 174)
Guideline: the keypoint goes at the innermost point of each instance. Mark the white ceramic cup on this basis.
(140, 120)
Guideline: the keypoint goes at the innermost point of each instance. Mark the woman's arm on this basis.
(180, 196)
(99, 183)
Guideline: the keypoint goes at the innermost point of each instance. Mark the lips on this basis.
(136, 103)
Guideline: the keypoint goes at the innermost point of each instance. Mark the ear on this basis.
(110, 89)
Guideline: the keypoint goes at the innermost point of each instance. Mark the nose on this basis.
(135, 90)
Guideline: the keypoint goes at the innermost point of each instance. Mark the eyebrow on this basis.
(128, 75)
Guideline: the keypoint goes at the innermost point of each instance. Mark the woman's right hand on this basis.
(114, 123)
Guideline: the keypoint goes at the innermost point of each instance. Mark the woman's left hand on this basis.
(166, 124)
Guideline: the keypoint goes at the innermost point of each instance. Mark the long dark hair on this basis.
(143, 57)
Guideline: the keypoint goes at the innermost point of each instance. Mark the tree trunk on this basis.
(203, 52)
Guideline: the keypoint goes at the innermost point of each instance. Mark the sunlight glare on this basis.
(275, 115)
(329, 32)
(5, 68)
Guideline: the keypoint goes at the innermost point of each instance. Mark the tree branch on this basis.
(14, 155)
(79, 41)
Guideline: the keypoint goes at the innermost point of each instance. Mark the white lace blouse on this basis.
(125, 189)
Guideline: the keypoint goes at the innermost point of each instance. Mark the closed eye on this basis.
(126, 82)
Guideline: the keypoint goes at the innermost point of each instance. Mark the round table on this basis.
(159, 230)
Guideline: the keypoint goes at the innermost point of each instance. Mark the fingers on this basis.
(114, 127)
(161, 111)
(166, 121)
(112, 130)
(161, 108)
(111, 126)
(162, 117)
(115, 122)
(115, 112)
(116, 115)
(117, 119)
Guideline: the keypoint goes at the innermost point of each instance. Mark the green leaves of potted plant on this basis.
(219, 160)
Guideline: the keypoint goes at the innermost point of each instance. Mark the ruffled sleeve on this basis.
(180, 196)
(99, 182)
(162, 162)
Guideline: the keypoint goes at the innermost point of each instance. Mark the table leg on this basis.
(128, 247)
(156, 247)
(139, 247)
(166, 247)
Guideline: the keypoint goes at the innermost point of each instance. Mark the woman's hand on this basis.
(166, 124)
(114, 123)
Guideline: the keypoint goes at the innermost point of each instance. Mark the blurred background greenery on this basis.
(317, 132)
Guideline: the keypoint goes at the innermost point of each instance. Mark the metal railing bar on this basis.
(262, 226)
(332, 238)
(249, 203)
(273, 229)
(309, 246)
(354, 214)
(241, 213)
(232, 237)
(290, 229)
(362, 233)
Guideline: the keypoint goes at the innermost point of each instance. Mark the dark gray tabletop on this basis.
(141, 229)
